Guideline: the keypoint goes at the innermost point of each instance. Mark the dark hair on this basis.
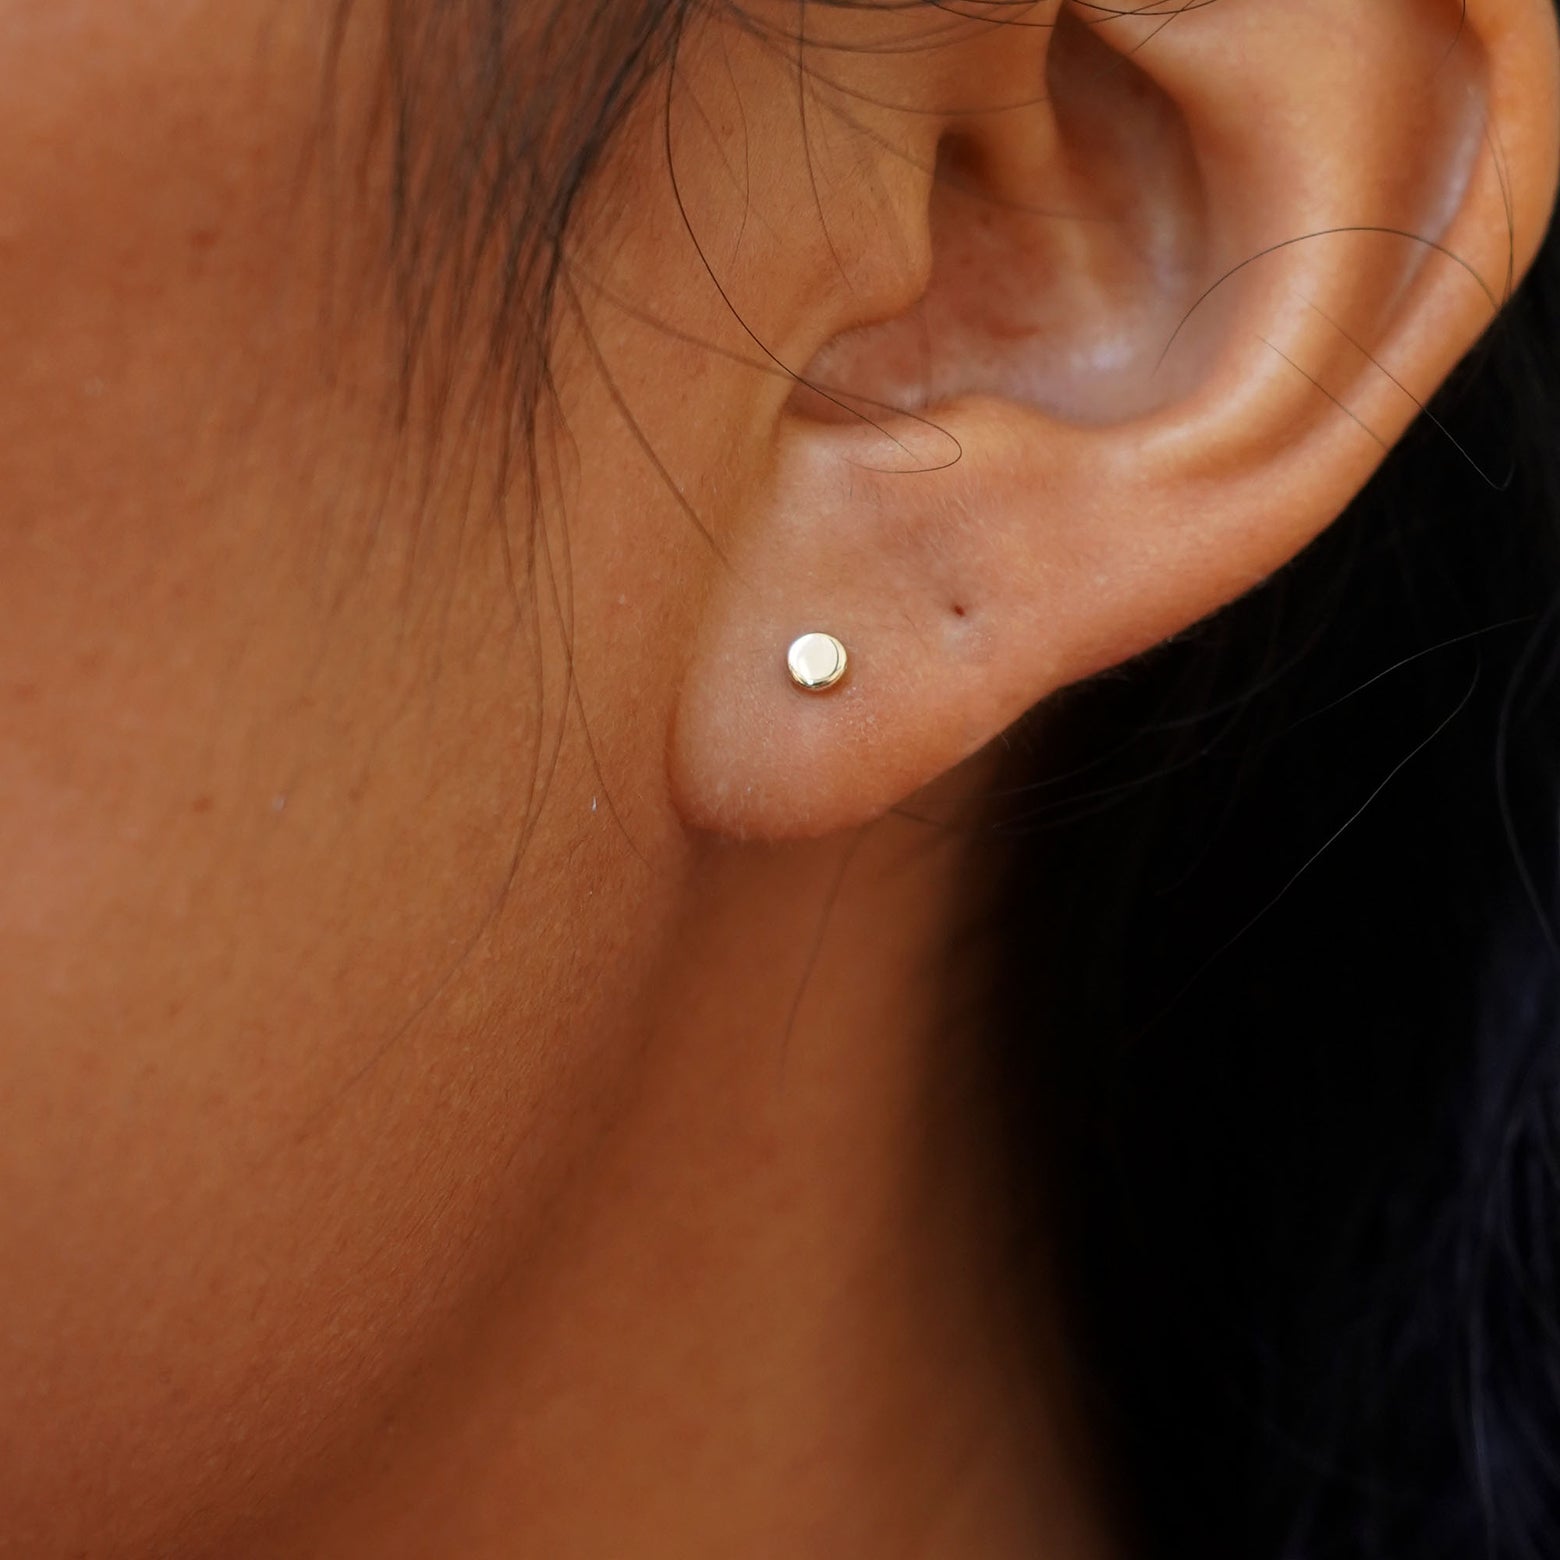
(1286, 1070)
(1292, 1053)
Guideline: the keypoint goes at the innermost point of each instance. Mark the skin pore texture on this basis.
(487, 1067)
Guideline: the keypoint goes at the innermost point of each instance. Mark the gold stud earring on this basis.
(816, 661)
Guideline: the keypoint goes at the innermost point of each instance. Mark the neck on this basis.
(777, 1313)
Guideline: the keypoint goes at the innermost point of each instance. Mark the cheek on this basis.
(264, 1131)
(304, 909)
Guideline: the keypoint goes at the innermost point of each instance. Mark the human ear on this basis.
(1185, 276)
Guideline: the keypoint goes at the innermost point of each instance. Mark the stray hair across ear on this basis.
(1169, 291)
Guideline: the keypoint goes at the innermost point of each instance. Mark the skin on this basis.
(482, 1069)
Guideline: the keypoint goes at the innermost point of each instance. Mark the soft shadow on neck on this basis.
(779, 1311)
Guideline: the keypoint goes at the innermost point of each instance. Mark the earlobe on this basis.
(1182, 300)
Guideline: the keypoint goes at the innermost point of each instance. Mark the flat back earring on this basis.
(816, 661)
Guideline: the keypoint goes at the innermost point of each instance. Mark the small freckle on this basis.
(958, 611)
(201, 804)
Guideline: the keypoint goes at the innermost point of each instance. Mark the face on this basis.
(336, 853)
(313, 894)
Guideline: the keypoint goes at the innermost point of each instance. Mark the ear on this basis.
(1188, 272)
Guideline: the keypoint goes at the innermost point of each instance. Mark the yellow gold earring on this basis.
(816, 661)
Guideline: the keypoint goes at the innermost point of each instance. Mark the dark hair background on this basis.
(1280, 986)
(1305, 1116)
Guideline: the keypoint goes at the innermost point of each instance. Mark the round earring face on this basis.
(816, 661)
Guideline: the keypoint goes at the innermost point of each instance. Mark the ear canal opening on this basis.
(1068, 239)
